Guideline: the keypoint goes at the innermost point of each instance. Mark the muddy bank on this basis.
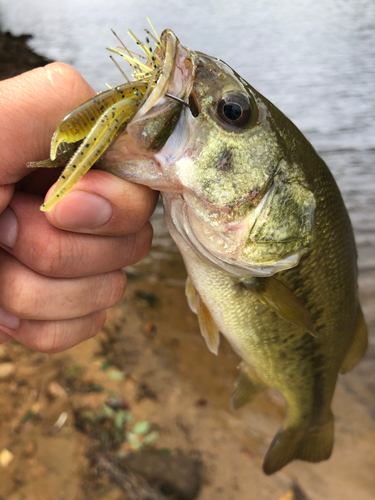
(16, 56)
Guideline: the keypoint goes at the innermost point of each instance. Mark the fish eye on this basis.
(234, 109)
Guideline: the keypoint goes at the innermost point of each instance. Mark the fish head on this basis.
(225, 161)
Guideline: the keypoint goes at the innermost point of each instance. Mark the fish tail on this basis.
(313, 445)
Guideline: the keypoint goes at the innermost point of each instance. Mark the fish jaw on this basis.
(140, 154)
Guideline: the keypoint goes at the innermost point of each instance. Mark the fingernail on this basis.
(8, 227)
(8, 320)
(82, 210)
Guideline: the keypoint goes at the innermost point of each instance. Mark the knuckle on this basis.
(48, 338)
(115, 285)
(46, 255)
(54, 256)
(19, 298)
(56, 336)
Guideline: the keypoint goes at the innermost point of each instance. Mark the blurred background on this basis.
(315, 61)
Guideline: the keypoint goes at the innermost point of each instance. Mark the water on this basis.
(314, 59)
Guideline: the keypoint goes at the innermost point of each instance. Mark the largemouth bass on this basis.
(258, 218)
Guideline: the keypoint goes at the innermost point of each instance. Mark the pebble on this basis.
(295, 493)
(7, 370)
(5, 457)
(54, 390)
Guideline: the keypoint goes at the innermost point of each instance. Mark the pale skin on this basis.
(59, 270)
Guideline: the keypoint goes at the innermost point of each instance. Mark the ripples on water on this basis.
(313, 59)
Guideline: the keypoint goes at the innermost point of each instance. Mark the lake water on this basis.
(313, 58)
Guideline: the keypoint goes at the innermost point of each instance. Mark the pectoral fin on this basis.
(280, 300)
(190, 294)
(246, 387)
(208, 327)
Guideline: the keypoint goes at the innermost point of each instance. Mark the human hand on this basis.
(59, 270)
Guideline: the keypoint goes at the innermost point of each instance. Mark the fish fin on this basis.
(246, 387)
(312, 445)
(281, 300)
(190, 294)
(208, 327)
(358, 347)
(207, 324)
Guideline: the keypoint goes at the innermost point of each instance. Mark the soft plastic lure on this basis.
(86, 132)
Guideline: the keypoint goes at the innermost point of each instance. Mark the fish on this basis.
(257, 216)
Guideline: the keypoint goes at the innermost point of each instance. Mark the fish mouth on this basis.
(141, 110)
(168, 48)
(159, 112)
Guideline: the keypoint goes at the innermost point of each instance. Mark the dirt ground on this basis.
(142, 411)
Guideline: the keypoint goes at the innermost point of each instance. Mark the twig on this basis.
(135, 487)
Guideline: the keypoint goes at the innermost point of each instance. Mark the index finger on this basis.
(32, 105)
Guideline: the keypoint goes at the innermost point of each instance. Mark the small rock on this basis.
(145, 298)
(179, 475)
(35, 409)
(55, 391)
(61, 420)
(7, 370)
(201, 402)
(5, 457)
(117, 403)
(295, 493)
(288, 496)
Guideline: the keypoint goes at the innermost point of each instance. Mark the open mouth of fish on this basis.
(147, 108)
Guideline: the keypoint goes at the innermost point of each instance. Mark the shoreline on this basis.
(16, 56)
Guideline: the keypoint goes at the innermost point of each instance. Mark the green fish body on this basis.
(264, 233)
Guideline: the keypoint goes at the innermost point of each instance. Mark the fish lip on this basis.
(169, 42)
(173, 79)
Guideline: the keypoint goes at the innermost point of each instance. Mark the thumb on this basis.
(32, 105)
